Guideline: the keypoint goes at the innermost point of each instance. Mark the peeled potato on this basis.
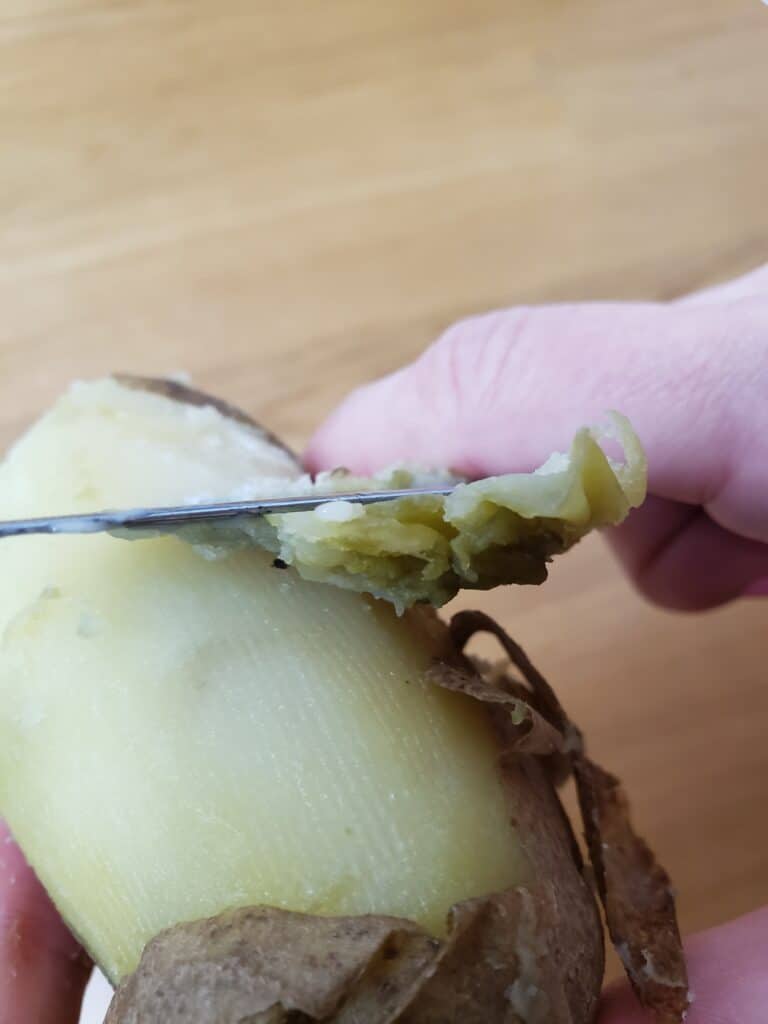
(194, 737)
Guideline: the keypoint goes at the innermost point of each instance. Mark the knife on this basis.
(181, 515)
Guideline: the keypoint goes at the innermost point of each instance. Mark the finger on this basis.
(728, 978)
(498, 393)
(43, 971)
(679, 558)
(750, 285)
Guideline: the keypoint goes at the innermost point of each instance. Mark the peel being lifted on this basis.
(494, 531)
(330, 785)
(499, 530)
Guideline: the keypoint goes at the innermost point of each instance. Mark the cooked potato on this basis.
(191, 728)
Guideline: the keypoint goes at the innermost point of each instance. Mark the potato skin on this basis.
(530, 955)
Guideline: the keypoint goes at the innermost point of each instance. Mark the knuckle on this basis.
(472, 363)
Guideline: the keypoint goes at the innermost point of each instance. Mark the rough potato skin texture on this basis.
(634, 888)
(512, 958)
(530, 955)
(636, 893)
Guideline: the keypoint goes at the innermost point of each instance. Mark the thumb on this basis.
(43, 971)
(498, 393)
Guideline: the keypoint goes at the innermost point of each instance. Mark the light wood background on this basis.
(286, 199)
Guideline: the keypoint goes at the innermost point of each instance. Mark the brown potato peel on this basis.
(634, 888)
(635, 892)
(529, 955)
(262, 965)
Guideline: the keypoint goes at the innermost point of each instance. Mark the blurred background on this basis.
(286, 199)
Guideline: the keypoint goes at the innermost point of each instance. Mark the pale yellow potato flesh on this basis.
(424, 549)
(181, 735)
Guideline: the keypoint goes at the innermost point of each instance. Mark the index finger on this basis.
(43, 970)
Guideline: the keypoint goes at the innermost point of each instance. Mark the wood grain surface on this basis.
(286, 199)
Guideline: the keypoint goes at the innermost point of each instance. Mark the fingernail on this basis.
(757, 589)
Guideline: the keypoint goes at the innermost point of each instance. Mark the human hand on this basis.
(498, 393)
(43, 971)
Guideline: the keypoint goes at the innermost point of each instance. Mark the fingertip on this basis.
(375, 426)
(334, 442)
(43, 970)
